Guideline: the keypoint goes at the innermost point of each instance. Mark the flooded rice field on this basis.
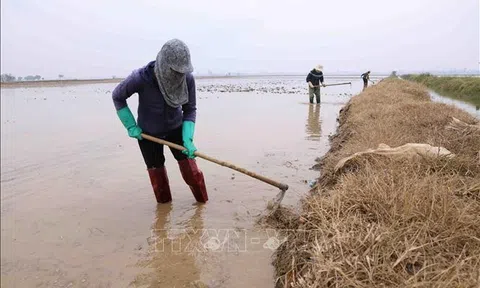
(77, 208)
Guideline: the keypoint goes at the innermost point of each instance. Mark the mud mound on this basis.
(390, 221)
(282, 218)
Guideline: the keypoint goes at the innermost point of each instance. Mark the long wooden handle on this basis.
(338, 84)
(279, 185)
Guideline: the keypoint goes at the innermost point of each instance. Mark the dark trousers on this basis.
(365, 83)
(314, 91)
(153, 152)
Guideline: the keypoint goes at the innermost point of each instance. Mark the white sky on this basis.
(104, 37)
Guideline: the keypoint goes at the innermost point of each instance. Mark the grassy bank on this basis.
(384, 221)
(462, 88)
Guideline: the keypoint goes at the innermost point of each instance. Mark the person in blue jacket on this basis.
(166, 110)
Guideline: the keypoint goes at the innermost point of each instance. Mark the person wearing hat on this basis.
(166, 110)
(314, 79)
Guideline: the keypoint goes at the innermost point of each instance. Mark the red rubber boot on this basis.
(194, 178)
(160, 184)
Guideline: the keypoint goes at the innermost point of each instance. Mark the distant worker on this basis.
(314, 79)
(166, 110)
(366, 77)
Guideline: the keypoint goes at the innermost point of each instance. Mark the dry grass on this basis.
(389, 223)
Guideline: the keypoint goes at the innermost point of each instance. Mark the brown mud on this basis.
(77, 209)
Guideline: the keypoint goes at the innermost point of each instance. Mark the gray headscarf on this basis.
(173, 62)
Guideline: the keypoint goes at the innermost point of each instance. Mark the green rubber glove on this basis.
(129, 123)
(188, 130)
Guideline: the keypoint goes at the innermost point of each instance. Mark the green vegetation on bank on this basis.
(461, 88)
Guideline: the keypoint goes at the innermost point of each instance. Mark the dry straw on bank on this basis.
(390, 222)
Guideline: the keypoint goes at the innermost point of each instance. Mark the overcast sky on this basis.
(101, 38)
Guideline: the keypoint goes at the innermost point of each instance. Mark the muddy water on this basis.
(469, 107)
(77, 209)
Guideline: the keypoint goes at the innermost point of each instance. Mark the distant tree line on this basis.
(12, 78)
(8, 78)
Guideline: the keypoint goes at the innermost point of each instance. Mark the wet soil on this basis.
(77, 209)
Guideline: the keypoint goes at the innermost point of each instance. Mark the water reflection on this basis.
(314, 124)
(172, 254)
(466, 106)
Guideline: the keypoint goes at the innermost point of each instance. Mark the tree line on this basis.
(11, 78)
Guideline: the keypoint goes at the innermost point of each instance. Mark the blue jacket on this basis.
(315, 77)
(155, 117)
